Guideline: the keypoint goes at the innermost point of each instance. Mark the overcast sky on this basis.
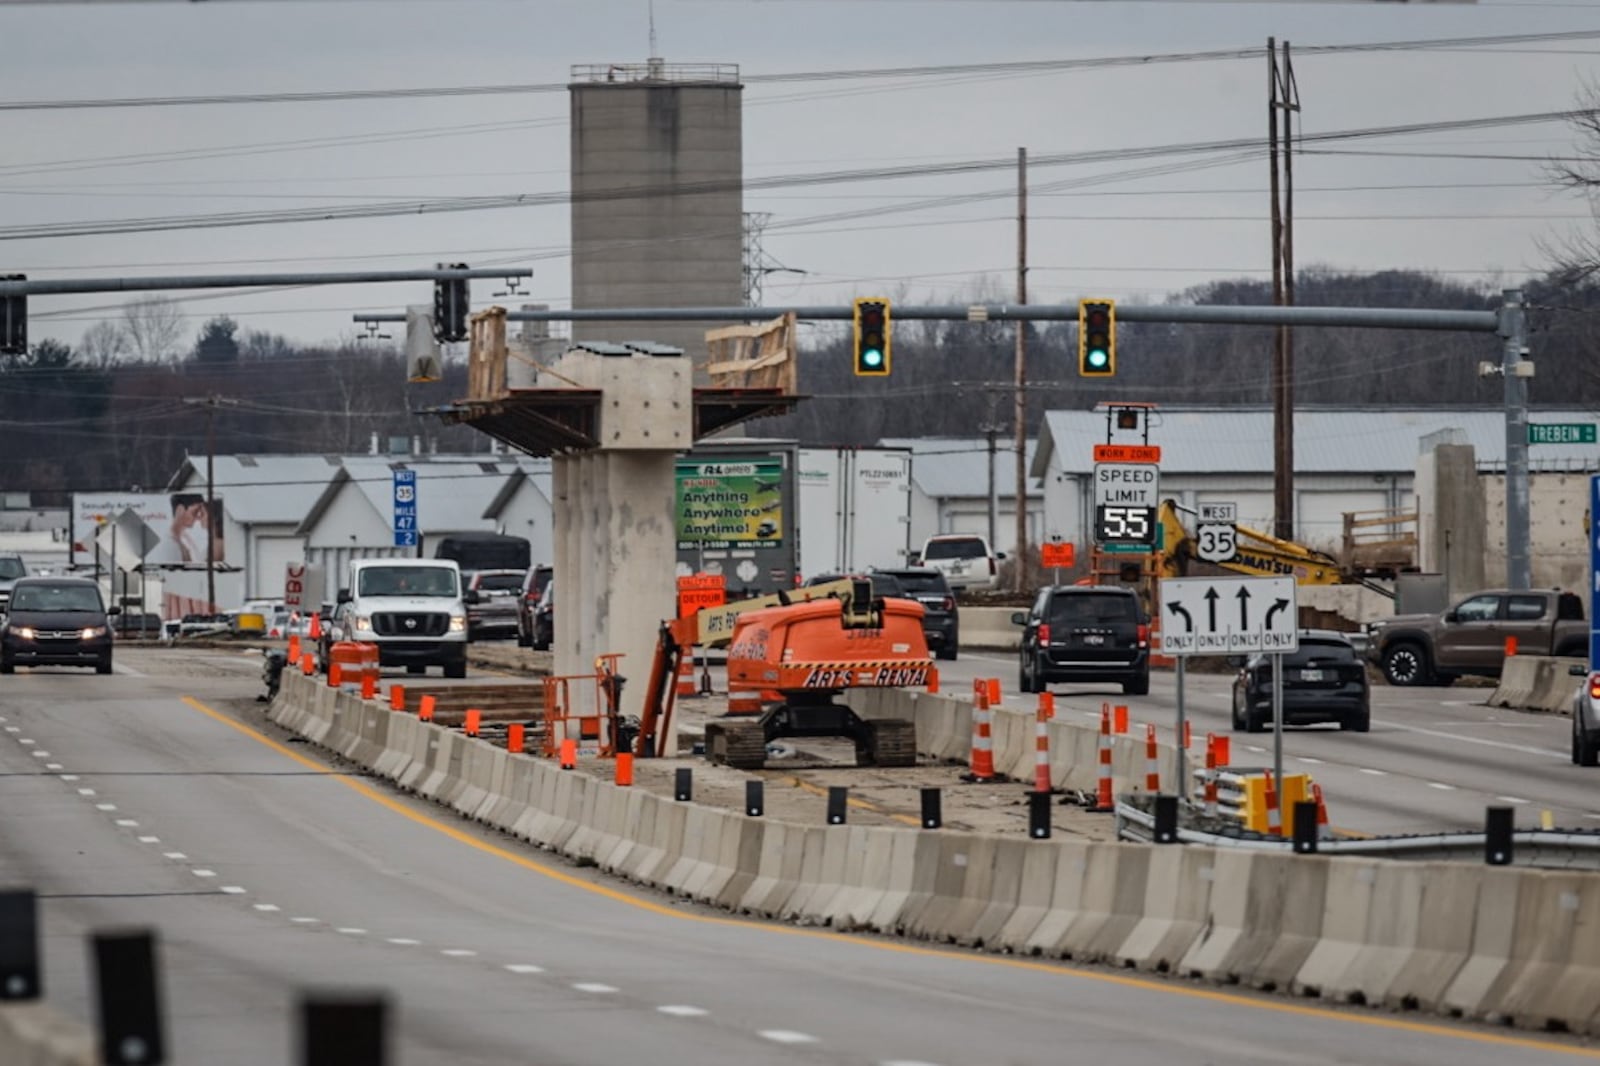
(1471, 205)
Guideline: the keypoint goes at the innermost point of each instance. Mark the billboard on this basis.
(728, 503)
(155, 529)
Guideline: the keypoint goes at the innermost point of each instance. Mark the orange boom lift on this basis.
(796, 651)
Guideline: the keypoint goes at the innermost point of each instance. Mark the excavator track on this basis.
(889, 742)
(740, 745)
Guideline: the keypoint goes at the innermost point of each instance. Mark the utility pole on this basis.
(1283, 100)
(1516, 371)
(991, 431)
(213, 519)
(1019, 415)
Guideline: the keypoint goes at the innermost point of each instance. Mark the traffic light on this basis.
(450, 300)
(872, 337)
(1097, 338)
(14, 320)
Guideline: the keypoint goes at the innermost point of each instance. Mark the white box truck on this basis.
(854, 509)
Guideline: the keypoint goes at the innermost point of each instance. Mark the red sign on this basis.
(1127, 453)
(701, 590)
(1055, 553)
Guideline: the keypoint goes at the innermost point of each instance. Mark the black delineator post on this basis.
(1039, 815)
(342, 1030)
(838, 799)
(129, 999)
(1166, 831)
(1497, 844)
(683, 784)
(932, 808)
(20, 977)
(1305, 827)
(754, 798)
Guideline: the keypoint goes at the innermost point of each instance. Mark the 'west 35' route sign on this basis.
(1228, 615)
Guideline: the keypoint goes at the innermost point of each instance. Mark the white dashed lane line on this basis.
(1374, 773)
(403, 941)
(678, 1010)
(127, 823)
(233, 890)
(52, 766)
(26, 742)
(149, 840)
(204, 873)
(458, 953)
(87, 792)
(594, 989)
(786, 1036)
(1441, 786)
(41, 754)
(305, 921)
(351, 930)
(1512, 799)
(175, 856)
(524, 967)
(267, 908)
(69, 777)
(105, 806)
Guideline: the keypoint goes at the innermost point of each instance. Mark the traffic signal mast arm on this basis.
(1258, 554)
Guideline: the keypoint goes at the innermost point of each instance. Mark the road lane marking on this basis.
(13, 729)
(594, 989)
(1441, 786)
(69, 777)
(524, 967)
(127, 823)
(202, 872)
(233, 890)
(786, 1036)
(108, 807)
(403, 941)
(905, 1062)
(1308, 760)
(25, 741)
(267, 908)
(351, 930)
(1524, 748)
(1374, 773)
(149, 840)
(41, 754)
(459, 953)
(487, 847)
(305, 921)
(87, 792)
(175, 856)
(683, 1010)
(52, 766)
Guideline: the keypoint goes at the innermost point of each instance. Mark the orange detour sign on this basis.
(701, 590)
(1056, 554)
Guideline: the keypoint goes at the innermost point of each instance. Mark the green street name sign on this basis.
(1561, 433)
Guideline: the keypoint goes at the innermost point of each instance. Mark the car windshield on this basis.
(924, 583)
(955, 548)
(407, 581)
(1320, 651)
(499, 582)
(11, 568)
(55, 598)
(1092, 610)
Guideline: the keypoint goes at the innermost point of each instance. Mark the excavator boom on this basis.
(1256, 554)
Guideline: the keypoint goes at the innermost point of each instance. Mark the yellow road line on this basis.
(1145, 984)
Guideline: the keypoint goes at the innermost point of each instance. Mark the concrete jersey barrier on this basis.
(1484, 943)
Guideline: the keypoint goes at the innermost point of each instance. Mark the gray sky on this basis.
(1420, 205)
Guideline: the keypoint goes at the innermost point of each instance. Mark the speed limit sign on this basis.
(1218, 542)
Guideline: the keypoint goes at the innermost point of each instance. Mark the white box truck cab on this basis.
(412, 609)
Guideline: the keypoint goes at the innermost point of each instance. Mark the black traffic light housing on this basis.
(1097, 338)
(872, 337)
(450, 305)
(14, 320)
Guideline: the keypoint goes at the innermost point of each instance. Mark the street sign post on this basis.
(1228, 615)
(1562, 433)
(1217, 536)
(405, 508)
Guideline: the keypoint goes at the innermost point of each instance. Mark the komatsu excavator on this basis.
(797, 651)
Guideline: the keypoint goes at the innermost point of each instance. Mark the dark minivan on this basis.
(1085, 633)
(56, 621)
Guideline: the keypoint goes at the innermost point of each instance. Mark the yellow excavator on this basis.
(1255, 553)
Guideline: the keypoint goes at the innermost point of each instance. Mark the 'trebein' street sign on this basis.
(1228, 615)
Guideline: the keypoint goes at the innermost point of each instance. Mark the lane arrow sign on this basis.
(1244, 609)
(1211, 602)
(1274, 609)
(1177, 608)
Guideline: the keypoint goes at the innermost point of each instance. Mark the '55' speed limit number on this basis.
(1218, 542)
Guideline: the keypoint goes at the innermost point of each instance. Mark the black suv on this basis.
(941, 623)
(1324, 681)
(1083, 633)
(56, 621)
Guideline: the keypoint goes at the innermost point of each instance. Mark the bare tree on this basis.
(154, 327)
(1576, 258)
(103, 344)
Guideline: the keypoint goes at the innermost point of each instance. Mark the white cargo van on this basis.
(412, 609)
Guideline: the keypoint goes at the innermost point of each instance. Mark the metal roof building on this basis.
(950, 488)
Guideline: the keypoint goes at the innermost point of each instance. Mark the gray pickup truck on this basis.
(1470, 637)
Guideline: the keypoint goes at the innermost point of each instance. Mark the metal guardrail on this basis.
(1563, 849)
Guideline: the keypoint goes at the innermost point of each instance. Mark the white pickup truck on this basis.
(412, 609)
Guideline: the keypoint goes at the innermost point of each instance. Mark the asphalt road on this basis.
(1435, 759)
(157, 801)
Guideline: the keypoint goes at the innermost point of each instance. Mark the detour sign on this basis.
(700, 590)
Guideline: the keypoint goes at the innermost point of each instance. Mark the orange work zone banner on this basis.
(701, 590)
(1127, 453)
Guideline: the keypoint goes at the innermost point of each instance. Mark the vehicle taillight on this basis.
(949, 603)
(1143, 634)
(1594, 686)
(992, 569)
(1044, 633)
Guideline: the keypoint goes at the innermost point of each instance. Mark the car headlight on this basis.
(362, 621)
(458, 622)
(25, 632)
(90, 632)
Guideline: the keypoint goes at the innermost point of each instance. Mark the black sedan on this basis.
(1324, 681)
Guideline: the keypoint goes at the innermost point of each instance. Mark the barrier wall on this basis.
(1486, 943)
(990, 628)
(32, 1034)
(1537, 683)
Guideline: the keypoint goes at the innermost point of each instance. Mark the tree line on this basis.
(109, 413)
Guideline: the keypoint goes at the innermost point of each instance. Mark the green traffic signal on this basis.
(872, 337)
(1097, 338)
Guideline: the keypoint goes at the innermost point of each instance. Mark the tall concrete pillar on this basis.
(616, 548)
